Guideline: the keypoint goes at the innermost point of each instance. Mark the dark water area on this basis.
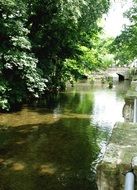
(56, 143)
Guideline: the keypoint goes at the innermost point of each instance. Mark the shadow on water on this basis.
(50, 157)
(54, 144)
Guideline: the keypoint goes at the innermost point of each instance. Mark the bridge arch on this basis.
(120, 77)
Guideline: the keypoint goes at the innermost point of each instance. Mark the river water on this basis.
(55, 144)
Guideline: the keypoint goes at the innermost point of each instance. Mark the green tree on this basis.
(19, 76)
(58, 29)
(44, 44)
(125, 46)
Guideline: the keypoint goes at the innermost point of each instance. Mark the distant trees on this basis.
(44, 43)
(125, 45)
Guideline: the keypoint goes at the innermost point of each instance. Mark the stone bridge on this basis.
(121, 72)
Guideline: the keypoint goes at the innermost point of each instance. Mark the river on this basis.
(55, 144)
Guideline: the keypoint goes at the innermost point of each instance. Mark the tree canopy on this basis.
(125, 45)
(45, 43)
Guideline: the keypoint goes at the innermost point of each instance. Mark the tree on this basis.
(58, 29)
(43, 43)
(19, 76)
(125, 46)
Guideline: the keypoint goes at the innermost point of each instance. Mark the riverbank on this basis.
(121, 148)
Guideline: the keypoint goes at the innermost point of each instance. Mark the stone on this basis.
(121, 148)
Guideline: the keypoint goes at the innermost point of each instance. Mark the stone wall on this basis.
(117, 159)
(121, 148)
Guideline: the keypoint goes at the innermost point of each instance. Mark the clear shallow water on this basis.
(55, 144)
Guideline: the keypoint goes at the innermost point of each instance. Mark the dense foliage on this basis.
(45, 43)
(125, 46)
(19, 75)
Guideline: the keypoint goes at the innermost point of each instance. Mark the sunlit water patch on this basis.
(107, 109)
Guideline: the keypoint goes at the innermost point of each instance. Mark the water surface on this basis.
(55, 144)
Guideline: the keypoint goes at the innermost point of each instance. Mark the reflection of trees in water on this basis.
(53, 157)
(76, 102)
(49, 153)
